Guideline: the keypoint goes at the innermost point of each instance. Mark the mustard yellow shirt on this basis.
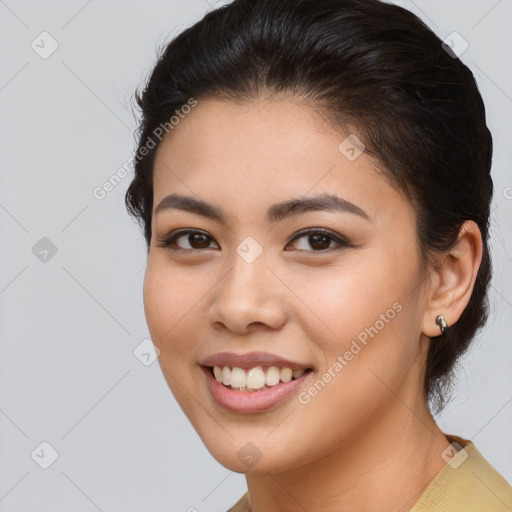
(467, 483)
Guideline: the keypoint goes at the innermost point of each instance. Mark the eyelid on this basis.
(168, 240)
(339, 239)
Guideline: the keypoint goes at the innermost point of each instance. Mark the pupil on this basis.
(319, 241)
(201, 240)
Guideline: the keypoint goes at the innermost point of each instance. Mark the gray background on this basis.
(70, 321)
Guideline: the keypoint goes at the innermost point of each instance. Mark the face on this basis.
(276, 255)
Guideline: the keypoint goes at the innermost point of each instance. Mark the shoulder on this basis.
(242, 505)
(467, 483)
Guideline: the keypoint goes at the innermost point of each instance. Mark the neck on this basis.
(385, 467)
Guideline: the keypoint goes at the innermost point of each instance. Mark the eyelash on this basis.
(169, 241)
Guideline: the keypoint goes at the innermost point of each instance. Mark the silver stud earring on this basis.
(442, 323)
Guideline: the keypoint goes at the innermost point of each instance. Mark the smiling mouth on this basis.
(254, 379)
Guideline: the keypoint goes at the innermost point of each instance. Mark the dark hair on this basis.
(370, 68)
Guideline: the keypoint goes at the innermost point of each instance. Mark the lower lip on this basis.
(251, 401)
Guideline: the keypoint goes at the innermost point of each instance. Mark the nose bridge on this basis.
(248, 274)
(245, 295)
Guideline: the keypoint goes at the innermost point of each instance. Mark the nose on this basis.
(248, 297)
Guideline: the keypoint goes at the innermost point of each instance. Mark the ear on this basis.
(452, 279)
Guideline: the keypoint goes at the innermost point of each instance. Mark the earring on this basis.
(442, 323)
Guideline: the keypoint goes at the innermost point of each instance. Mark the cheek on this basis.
(169, 297)
(172, 298)
(169, 300)
(372, 325)
(349, 299)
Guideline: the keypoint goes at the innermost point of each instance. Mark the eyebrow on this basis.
(277, 212)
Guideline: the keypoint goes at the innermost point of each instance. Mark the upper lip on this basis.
(251, 360)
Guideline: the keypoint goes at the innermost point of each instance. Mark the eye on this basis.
(186, 239)
(320, 240)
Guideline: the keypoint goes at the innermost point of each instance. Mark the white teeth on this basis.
(255, 378)
(238, 378)
(217, 371)
(286, 374)
(226, 376)
(298, 373)
(272, 376)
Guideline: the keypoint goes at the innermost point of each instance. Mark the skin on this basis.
(349, 447)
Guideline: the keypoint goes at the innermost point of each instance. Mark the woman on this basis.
(313, 182)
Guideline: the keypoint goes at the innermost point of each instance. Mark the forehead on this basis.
(255, 153)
